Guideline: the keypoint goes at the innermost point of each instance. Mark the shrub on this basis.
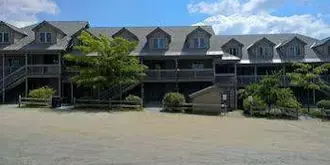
(286, 99)
(173, 99)
(258, 104)
(323, 104)
(133, 98)
(43, 93)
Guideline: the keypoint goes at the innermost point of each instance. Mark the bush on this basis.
(173, 99)
(258, 104)
(42, 93)
(286, 99)
(133, 98)
(323, 104)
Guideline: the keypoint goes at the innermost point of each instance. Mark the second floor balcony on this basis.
(180, 75)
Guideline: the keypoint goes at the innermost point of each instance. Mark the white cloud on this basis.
(24, 12)
(256, 16)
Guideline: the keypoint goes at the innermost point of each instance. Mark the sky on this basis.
(309, 17)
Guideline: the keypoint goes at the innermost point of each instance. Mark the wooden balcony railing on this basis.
(36, 70)
(226, 79)
(179, 75)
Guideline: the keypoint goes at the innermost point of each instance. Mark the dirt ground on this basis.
(32, 137)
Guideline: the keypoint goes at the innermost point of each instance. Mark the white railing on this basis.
(43, 69)
(180, 74)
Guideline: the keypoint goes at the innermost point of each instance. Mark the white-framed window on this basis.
(233, 51)
(295, 51)
(4, 37)
(264, 51)
(197, 66)
(199, 43)
(45, 37)
(159, 43)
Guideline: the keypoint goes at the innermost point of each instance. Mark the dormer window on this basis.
(233, 51)
(4, 37)
(264, 51)
(159, 43)
(295, 51)
(328, 50)
(45, 37)
(199, 43)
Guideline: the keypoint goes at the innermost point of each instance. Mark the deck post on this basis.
(142, 94)
(71, 87)
(176, 75)
(235, 90)
(26, 75)
(255, 73)
(3, 78)
(59, 75)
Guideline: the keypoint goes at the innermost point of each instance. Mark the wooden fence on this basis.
(33, 101)
(199, 108)
(325, 114)
(88, 103)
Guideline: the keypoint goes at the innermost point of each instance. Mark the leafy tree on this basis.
(308, 77)
(107, 62)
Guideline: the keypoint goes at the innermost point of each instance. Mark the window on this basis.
(233, 51)
(261, 52)
(199, 43)
(45, 37)
(197, 66)
(4, 37)
(295, 51)
(159, 43)
(328, 50)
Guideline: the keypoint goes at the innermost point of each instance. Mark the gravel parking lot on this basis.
(33, 137)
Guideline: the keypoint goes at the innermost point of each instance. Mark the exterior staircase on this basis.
(116, 91)
(13, 79)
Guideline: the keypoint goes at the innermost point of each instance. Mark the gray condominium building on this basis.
(186, 59)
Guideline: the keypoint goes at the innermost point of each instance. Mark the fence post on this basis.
(322, 114)
(297, 114)
(110, 104)
(74, 102)
(19, 100)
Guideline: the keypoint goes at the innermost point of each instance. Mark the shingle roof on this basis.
(277, 39)
(27, 43)
(178, 37)
(322, 42)
(18, 30)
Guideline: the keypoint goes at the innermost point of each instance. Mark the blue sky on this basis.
(126, 12)
(310, 17)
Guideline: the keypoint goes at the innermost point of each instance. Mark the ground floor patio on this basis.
(36, 136)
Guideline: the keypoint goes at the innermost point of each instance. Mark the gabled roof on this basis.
(233, 40)
(176, 47)
(248, 39)
(13, 28)
(261, 40)
(123, 30)
(158, 29)
(199, 28)
(50, 24)
(289, 40)
(322, 42)
(27, 43)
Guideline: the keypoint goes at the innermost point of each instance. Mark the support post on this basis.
(26, 75)
(142, 85)
(235, 90)
(255, 73)
(142, 94)
(59, 75)
(284, 77)
(71, 87)
(314, 97)
(213, 63)
(176, 75)
(3, 78)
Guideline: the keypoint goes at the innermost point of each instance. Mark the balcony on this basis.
(244, 80)
(226, 79)
(43, 70)
(181, 75)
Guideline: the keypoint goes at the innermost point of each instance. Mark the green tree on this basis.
(308, 77)
(106, 62)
